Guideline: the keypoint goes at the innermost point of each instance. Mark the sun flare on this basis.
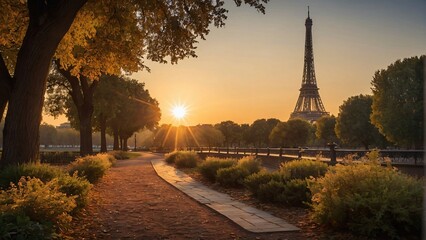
(179, 112)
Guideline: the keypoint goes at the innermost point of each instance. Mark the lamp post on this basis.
(332, 147)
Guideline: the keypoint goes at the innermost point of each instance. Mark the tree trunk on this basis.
(121, 144)
(102, 123)
(116, 145)
(49, 21)
(5, 86)
(82, 92)
(85, 117)
(125, 148)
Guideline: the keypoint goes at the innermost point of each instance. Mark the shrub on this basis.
(13, 173)
(232, 176)
(121, 155)
(274, 187)
(21, 227)
(187, 160)
(302, 169)
(32, 202)
(250, 164)
(75, 186)
(269, 191)
(91, 167)
(253, 181)
(295, 193)
(369, 200)
(235, 176)
(210, 166)
(171, 157)
(182, 159)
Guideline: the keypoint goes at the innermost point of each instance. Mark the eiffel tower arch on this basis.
(309, 105)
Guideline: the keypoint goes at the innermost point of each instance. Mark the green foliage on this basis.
(277, 188)
(353, 125)
(293, 133)
(232, 176)
(231, 132)
(325, 128)
(235, 176)
(75, 186)
(368, 200)
(13, 173)
(31, 202)
(121, 155)
(183, 159)
(253, 181)
(187, 160)
(171, 157)
(291, 192)
(14, 226)
(91, 167)
(210, 166)
(302, 169)
(398, 101)
(250, 163)
(260, 130)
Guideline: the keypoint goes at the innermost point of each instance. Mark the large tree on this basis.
(231, 132)
(293, 133)
(137, 110)
(261, 129)
(353, 125)
(325, 129)
(34, 35)
(37, 26)
(398, 105)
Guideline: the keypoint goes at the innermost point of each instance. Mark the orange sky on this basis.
(252, 68)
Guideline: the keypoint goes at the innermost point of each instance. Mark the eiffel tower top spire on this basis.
(309, 105)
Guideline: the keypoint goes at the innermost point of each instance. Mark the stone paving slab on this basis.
(249, 218)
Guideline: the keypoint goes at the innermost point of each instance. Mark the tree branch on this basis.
(6, 85)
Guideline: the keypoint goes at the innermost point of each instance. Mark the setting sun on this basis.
(179, 112)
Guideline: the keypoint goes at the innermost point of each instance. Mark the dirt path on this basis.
(132, 202)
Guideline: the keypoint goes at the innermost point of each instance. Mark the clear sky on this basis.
(252, 68)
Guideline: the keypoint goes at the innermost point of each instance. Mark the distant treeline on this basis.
(51, 135)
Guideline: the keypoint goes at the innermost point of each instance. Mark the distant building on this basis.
(64, 125)
(309, 106)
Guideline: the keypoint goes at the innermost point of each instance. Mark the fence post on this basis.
(268, 152)
(227, 150)
(257, 151)
(281, 151)
(332, 147)
(299, 155)
(236, 150)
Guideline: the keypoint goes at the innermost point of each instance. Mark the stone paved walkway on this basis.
(247, 217)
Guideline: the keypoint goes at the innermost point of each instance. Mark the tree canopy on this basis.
(293, 133)
(398, 102)
(31, 39)
(325, 129)
(260, 130)
(353, 125)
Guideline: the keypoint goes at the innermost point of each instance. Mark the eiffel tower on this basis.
(309, 105)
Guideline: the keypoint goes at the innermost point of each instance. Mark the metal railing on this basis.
(409, 157)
